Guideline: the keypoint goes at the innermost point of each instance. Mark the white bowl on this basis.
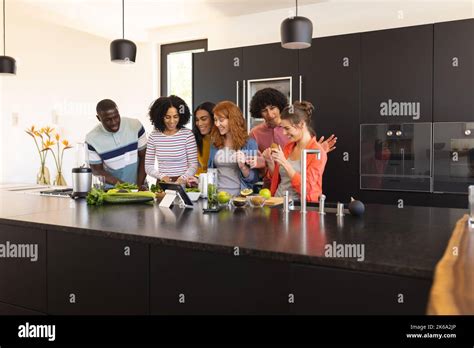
(194, 196)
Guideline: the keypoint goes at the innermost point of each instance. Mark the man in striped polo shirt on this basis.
(117, 147)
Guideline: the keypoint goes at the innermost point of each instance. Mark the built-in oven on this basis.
(396, 157)
(453, 169)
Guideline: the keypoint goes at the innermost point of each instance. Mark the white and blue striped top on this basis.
(118, 151)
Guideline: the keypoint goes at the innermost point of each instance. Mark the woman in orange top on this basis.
(284, 166)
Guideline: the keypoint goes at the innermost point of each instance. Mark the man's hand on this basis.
(328, 144)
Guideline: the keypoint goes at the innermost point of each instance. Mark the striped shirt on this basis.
(118, 152)
(176, 154)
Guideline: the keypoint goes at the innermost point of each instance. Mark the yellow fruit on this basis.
(265, 193)
(223, 197)
(246, 192)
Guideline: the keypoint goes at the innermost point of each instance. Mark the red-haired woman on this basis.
(285, 165)
(230, 148)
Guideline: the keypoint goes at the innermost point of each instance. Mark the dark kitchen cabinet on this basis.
(397, 75)
(270, 61)
(20, 275)
(330, 291)
(330, 76)
(196, 282)
(453, 157)
(454, 71)
(217, 76)
(95, 275)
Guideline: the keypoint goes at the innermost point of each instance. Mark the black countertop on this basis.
(406, 242)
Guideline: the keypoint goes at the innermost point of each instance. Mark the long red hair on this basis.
(237, 127)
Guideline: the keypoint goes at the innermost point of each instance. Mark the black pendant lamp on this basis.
(121, 50)
(7, 64)
(296, 32)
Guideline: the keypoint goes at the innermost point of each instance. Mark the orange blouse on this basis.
(314, 172)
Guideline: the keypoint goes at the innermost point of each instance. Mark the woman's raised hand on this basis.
(328, 145)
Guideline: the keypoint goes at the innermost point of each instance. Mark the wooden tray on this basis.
(274, 201)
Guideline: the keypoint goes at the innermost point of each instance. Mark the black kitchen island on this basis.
(143, 259)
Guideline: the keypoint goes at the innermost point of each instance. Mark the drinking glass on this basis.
(212, 189)
(98, 182)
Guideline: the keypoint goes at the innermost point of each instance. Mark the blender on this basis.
(82, 173)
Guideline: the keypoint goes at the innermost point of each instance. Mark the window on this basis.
(177, 69)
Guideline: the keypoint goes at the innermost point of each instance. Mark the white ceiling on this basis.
(104, 17)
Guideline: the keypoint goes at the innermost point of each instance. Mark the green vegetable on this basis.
(126, 186)
(99, 197)
(192, 189)
(155, 188)
(95, 197)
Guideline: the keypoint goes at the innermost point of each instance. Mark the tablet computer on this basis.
(179, 190)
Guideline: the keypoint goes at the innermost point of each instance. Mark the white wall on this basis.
(67, 72)
(328, 17)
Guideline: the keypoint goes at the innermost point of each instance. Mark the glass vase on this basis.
(43, 177)
(59, 180)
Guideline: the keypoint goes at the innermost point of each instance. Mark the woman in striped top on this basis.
(170, 143)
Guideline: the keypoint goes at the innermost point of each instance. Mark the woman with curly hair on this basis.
(170, 143)
(230, 148)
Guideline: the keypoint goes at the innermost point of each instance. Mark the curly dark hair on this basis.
(160, 106)
(264, 98)
(206, 106)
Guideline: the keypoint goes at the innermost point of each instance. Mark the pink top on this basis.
(265, 136)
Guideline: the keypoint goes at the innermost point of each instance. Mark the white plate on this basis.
(194, 196)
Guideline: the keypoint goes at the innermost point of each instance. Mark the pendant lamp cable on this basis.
(123, 19)
(4, 27)
(296, 7)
